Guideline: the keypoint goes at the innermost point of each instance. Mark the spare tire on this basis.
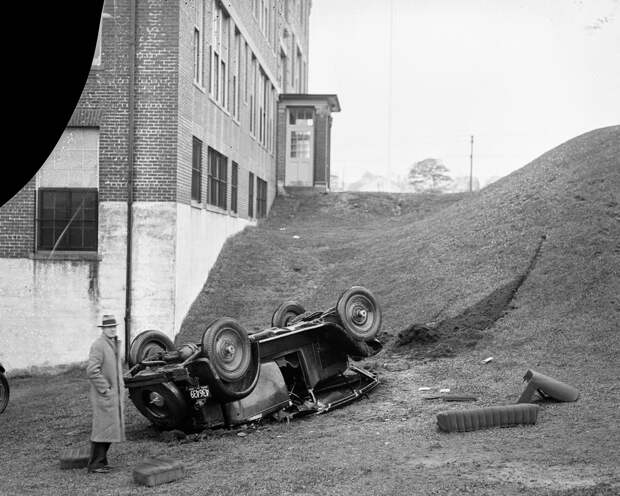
(285, 313)
(148, 343)
(163, 404)
(359, 313)
(226, 344)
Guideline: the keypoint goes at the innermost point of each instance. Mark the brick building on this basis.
(171, 149)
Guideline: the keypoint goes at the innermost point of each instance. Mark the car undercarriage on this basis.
(302, 364)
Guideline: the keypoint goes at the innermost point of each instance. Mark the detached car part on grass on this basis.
(483, 418)
(547, 388)
(4, 389)
(300, 365)
(523, 413)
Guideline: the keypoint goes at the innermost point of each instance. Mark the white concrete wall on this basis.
(200, 237)
(153, 267)
(49, 308)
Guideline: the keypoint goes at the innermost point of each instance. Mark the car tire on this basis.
(163, 404)
(285, 313)
(4, 392)
(147, 343)
(226, 344)
(359, 313)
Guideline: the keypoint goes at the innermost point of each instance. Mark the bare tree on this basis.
(429, 174)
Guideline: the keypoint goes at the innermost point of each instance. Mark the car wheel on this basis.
(4, 392)
(163, 404)
(285, 313)
(359, 313)
(225, 343)
(148, 343)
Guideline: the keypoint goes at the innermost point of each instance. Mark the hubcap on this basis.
(228, 348)
(359, 315)
(156, 399)
(360, 311)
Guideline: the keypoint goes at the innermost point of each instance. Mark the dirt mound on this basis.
(462, 330)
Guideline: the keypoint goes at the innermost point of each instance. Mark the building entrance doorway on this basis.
(300, 147)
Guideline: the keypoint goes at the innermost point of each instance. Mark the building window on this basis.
(299, 75)
(293, 83)
(218, 174)
(219, 54)
(67, 219)
(301, 115)
(261, 106)
(198, 41)
(282, 75)
(261, 198)
(265, 19)
(196, 170)
(253, 96)
(223, 93)
(234, 182)
(272, 117)
(246, 73)
(236, 75)
(302, 85)
(274, 28)
(251, 196)
(300, 144)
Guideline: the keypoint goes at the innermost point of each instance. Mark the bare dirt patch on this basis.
(447, 337)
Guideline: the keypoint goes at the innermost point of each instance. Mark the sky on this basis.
(521, 76)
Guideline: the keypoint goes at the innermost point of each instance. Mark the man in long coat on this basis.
(104, 371)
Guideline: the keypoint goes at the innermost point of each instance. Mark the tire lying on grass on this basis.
(285, 313)
(147, 344)
(226, 344)
(163, 404)
(359, 313)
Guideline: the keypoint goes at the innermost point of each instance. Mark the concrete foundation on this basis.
(49, 308)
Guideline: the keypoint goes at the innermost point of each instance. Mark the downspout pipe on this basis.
(130, 167)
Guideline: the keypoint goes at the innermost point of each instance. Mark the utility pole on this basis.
(471, 163)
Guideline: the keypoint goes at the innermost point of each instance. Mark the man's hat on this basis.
(108, 321)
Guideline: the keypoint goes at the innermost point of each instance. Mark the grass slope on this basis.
(440, 258)
(433, 257)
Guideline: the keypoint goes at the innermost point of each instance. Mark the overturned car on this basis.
(300, 365)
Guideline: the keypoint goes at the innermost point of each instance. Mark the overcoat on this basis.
(105, 373)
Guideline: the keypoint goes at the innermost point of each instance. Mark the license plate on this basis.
(196, 393)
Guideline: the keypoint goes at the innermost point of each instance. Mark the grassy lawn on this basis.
(449, 259)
